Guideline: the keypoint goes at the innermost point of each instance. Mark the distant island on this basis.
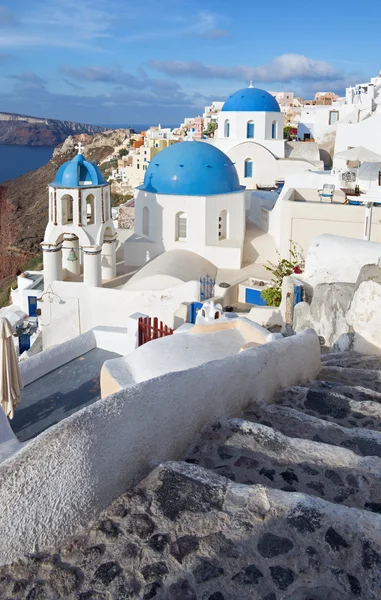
(23, 130)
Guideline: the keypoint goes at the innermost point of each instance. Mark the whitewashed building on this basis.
(250, 132)
(320, 122)
(191, 199)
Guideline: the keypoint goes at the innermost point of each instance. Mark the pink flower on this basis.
(297, 270)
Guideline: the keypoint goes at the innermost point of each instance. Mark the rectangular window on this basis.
(333, 116)
(250, 130)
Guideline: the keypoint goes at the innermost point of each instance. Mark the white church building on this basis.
(250, 132)
(80, 237)
(191, 199)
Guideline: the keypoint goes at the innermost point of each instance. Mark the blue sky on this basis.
(118, 61)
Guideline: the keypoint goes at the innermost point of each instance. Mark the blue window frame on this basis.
(250, 130)
(273, 130)
(227, 129)
(248, 168)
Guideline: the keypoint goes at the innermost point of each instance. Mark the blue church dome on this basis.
(251, 99)
(191, 169)
(78, 172)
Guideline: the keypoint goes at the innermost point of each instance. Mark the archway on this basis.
(90, 209)
(67, 202)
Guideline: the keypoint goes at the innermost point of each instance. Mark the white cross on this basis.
(251, 84)
(80, 147)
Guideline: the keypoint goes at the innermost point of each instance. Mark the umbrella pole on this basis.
(368, 220)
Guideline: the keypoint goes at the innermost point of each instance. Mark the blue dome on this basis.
(191, 169)
(78, 173)
(251, 100)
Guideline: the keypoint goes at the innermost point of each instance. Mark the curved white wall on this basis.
(65, 476)
(333, 258)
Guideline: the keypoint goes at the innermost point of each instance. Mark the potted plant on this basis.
(295, 265)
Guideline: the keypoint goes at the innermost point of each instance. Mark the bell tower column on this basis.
(70, 255)
(92, 273)
(52, 256)
(108, 261)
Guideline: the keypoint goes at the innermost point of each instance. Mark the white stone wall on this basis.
(301, 221)
(332, 258)
(85, 307)
(65, 476)
(202, 227)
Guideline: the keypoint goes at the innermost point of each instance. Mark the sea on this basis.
(17, 160)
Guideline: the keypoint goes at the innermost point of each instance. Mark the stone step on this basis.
(352, 360)
(354, 392)
(187, 534)
(294, 423)
(325, 402)
(250, 453)
(368, 378)
(327, 356)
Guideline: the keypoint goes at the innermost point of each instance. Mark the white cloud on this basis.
(285, 68)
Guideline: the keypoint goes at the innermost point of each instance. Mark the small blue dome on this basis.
(78, 173)
(191, 169)
(251, 100)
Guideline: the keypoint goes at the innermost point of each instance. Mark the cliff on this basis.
(24, 200)
(23, 130)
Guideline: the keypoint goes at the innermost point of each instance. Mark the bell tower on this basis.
(80, 235)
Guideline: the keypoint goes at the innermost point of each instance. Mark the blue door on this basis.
(254, 297)
(206, 287)
(194, 308)
(32, 306)
(298, 296)
(24, 342)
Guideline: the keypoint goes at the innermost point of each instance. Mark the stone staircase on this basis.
(321, 439)
(283, 503)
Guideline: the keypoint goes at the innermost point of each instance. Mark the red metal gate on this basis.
(152, 329)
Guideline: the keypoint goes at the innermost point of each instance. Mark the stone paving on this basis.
(59, 394)
(282, 504)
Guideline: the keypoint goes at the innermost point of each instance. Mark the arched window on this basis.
(250, 129)
(274, 130)
(248, 167)
(145, 221)
(223, 225)
(67, 209)
(181, 226)
(90, 209)
(227, 128)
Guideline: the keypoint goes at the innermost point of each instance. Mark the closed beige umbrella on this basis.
(10, 376)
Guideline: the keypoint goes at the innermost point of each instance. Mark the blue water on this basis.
(17, 160)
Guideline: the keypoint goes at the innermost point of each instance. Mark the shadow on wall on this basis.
(326, 158)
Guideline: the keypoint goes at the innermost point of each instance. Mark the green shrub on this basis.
(272, 296)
